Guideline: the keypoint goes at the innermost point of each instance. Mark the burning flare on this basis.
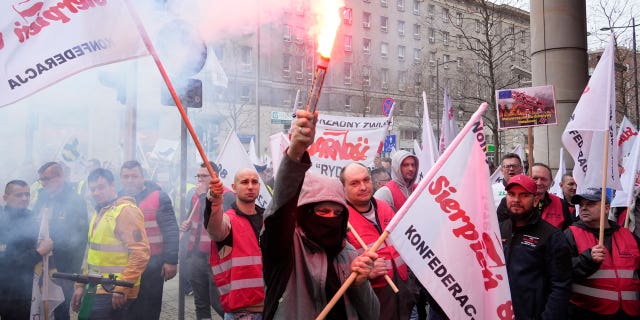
(328, 21)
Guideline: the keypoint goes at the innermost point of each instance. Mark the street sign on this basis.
(281, 117)
(491, 147)
(387, 103)
(389, 143)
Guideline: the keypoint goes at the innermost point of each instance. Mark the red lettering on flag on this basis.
(333, 145)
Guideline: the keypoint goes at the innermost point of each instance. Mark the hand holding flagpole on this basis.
(365, 247)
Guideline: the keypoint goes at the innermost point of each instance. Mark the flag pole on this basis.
(147, 41)
(365, 248)
(403, 210)
(427, 144)
(530, 147)
(603, 193)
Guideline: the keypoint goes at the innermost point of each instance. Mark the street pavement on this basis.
(170, 303)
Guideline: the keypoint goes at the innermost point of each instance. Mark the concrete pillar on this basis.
(559, 58)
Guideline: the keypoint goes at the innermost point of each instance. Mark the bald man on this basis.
(237, 272)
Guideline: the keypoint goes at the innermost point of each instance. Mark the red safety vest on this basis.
(396, 194)
(238, 275)
(615, 285)
(553, 213)
(369, 234)
(149, 207)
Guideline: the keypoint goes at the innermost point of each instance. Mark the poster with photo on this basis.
(526, 107)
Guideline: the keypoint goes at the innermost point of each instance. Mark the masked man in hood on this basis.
(305, 254)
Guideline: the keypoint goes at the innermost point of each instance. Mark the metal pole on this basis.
(258, 136)
(635, 70)
(438, 99)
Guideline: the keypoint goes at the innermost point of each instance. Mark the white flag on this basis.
(429, 150)
(627, 134)
(253, 155)
(42, 42)
(278, 143)
(555, 187)
(232, 158)
(594, 115)
(629, 178)
(43, 288)
(449, 128)
(456, 247)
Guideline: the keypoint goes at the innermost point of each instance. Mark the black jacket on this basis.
(539, 267)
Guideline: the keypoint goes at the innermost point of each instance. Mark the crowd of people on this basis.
(288, 261)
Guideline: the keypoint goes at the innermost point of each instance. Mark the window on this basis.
(384, 23)
(384, 78)
(460, 43)
(445, 15)
(432, 58)
(347, 102)
(245, 93)
(416, 7)
(445, 61)
(384, 49)
(522, 35)
(299, 35)
(286, 66)
(432, 81)
(347, 43)
(366, 75)
(347, 17)
(479, 67)
(347, 73)
(400, 5)
(409, 134)
(366, 20)
(416, 31)
(417, 55)
(523, 56)
(459, 63)
(512, 30)
(366, 46)
(430, 10)
(401, 28)
(299, 67)
(459, 19)
(286, 34)
(417, 82)
(432, 35)
(478, 26)
(245, 58)
(402, 81)
(511, 55)
(401, 51)
(445, 38)
(383, 3)
(399, 108)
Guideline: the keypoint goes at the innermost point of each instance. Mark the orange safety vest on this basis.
(238, 275)
(369, 234)
(615, 285)
(553, 213)
(149, 207)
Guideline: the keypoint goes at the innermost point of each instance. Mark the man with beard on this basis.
(537, 256)
(162, 232)
(235, 256)
(305, 254)
(368, 217)
(68, 226)
(20, 251)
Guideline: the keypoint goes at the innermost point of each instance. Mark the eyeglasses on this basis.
(325, 211)
(46, 179)
(511, 166)
(202, 176)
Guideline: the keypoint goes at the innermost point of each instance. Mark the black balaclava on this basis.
(328, 233)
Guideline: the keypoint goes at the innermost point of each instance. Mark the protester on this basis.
(20, 251)
(569, 188)
(379, 177)
(117, 245)
(537, 256)
(305, 255)
(236, 260)
(404, 170)
(68, 225)
(510, 165)
(386, 164)
(368, 217)
(605, 282)
(205, 292)
(162, 232)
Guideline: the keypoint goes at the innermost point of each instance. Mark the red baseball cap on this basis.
(524, 181)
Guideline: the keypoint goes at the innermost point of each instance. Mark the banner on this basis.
(584, 136)
(43, 42)
(449, 128)
(526, 107)
(232, 158)
(627, 134)
(342, 140)
(555, 187)
(455, 250)
(429, 150)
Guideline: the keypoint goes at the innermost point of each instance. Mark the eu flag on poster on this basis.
(504, 94)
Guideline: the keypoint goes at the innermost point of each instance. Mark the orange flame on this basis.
(328, 20)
